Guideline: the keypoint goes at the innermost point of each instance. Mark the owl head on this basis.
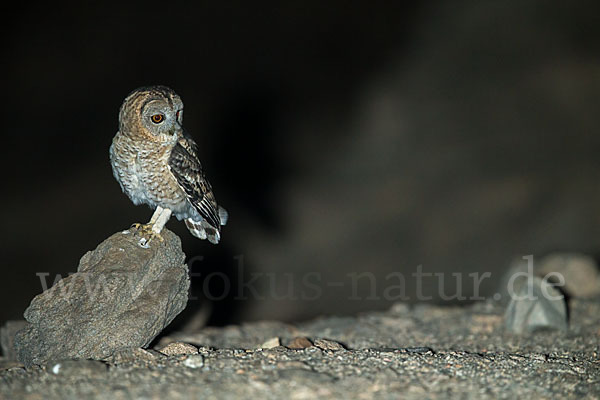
(153, 112)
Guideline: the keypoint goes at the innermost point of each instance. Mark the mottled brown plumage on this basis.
(157, 164)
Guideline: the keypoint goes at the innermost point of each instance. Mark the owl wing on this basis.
(187, 170)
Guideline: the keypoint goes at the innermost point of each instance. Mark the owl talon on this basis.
(147, 234)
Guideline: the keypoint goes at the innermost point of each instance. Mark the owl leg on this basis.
(159, 210)
(161, 220)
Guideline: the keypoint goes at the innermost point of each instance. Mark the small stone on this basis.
(399, 309)
(299, 343)
(178, 348)
(330, 345)
(132, 355)
(535, 305)
(194, 361)
(271, 343)
(419, 350)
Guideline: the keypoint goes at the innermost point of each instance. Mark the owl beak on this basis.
(177, 129)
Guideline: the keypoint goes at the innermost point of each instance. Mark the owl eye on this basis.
(157, 118)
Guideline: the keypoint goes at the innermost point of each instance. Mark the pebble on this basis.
(271, 343)
(194, 361)
(330, 345)
(299, 343)
(178, 348)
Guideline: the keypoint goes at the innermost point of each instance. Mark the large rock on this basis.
(122, 295)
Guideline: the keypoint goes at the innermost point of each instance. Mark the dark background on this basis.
(343, 137)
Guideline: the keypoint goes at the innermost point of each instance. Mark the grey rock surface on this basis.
(410, 352)
(536, 305)
(122, 296)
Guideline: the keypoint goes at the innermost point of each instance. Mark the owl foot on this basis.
(146, 233)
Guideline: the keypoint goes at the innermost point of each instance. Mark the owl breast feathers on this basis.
(157, 164)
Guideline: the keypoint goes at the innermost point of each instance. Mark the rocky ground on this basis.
(413, 351)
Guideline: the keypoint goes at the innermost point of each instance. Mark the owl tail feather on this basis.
(203, 230)
(223, 215)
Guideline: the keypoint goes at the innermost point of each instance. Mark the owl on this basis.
(156, 163)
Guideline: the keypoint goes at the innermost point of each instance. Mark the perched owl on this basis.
(157, 164)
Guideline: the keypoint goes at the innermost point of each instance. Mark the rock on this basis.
(299, 343)
(194, 361)
(7, 338)
(271, 343)
(580, 273)
(133, 355)
(121, 296)
(178, 348)
(535, 305)
(330, 345)
(399, 309)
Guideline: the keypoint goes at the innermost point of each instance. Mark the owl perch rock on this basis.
(122, 296)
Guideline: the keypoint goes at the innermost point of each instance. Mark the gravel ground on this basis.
(416, 352)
